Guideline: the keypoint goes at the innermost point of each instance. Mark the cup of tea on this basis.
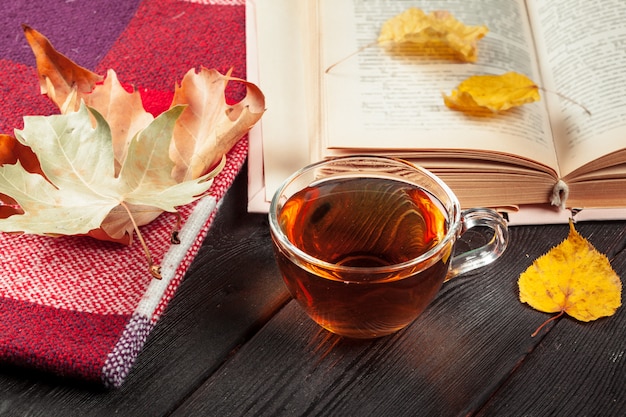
(364, 243)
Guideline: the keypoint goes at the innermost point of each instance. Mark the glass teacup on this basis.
(364, 243)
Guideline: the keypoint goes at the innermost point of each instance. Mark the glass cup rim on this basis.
(426, 258)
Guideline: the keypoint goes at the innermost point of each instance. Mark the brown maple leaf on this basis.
(207, 129)
(56, 177)
(61, 79)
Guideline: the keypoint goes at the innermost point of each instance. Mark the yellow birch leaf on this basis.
(438, 27)
(479, 93)
(573, 278)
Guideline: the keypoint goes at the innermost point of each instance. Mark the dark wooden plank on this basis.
(449, 362)
(578, 369)
(231, 289)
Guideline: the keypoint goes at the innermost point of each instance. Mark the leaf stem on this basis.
(564, 97)
(155, 270)
(345, 58)
(546, 322)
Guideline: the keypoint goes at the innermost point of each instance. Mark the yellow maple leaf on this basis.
(573, 278)
(479, 93)
(438, 27)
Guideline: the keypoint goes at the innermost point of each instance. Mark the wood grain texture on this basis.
(451, 361)
(232, 344)
(578, 369)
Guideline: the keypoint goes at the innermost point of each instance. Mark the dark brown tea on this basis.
(372, 224)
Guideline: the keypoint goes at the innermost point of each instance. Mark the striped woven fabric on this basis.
(75, 306)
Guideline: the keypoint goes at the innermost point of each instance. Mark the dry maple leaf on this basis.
(59, 77)
(80, 188)
(492, 93)
(207, 128)
(123, 111)
(572, 278)
(12, 151)
(438, 28)
(204, 133)
(110, 169)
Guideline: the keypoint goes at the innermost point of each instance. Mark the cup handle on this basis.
(486, 254)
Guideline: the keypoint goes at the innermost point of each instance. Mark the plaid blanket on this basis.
(75, 306)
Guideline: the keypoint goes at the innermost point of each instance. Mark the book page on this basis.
(582, 49)
(280, 73)
(378, 99)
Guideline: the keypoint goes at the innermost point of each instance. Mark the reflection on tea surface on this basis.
(363, 222)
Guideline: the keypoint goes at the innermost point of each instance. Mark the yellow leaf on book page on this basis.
(436, 28)
(573, 278)
(496, 93)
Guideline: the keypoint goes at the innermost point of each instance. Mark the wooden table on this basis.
(233, 343)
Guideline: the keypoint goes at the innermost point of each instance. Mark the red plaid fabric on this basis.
(76, 306)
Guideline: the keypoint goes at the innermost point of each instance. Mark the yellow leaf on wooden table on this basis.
(496, 93)
(573, 278)
(435, 28)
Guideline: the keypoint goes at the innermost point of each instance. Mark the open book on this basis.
(567, 150)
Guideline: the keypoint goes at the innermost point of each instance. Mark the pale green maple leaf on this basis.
(80, 188)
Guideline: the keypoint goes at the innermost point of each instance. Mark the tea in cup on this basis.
(364, 243)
